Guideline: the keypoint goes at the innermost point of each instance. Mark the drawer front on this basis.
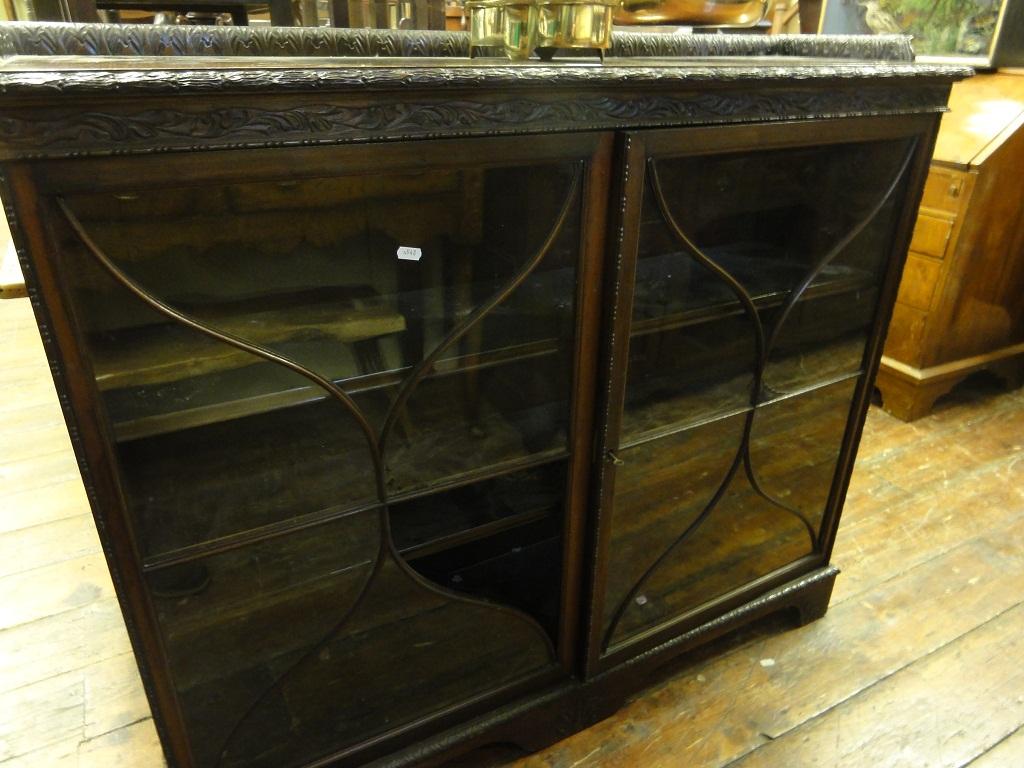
(931, 235)
(944, 189)
(920, 277)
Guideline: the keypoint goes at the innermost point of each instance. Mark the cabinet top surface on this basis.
(88, 90)
(984, 112)
(64, 58)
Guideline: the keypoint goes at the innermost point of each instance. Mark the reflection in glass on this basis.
(772, 220)
(662, 565)
(300, 645)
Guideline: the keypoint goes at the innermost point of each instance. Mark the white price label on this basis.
(408, 253)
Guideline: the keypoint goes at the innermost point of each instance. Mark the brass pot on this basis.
(575, 23)
(702, 13)
(511, 25)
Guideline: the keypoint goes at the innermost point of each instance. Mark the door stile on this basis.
(589, 291)
(623, 242)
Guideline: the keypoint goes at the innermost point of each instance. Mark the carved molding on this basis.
(54, 39)
(334, 75)
(147, 130)
(790, 595)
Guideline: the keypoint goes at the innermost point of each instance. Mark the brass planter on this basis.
(704, 13)
(520, 27)
(575, 23)
(511, 25)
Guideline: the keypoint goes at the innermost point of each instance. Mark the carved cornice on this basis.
(146, 130)
(63, 107)
(333, 75)
(56, 39)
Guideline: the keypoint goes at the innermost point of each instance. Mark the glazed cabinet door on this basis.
(341, 400)
(747, 304)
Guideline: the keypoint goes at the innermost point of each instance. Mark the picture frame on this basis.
(985, 34)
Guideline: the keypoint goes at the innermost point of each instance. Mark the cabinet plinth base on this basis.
(536, 722)
(909, 393)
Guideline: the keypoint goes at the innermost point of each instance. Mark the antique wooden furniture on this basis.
(429, 403)
(960, 306)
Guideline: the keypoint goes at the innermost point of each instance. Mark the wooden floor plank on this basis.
(32, 507)
(943, 711)
(1008, 753)
(39, 471)
(926, 525)
(27, 549)
(53, 589)
(113, 695)
(41, 715)
(47, 436)
(63, 643)
(131, 747)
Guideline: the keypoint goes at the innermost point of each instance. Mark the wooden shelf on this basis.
(431, 524)
(168, 377)
(721, 302)
(286, 469)
(241, 392)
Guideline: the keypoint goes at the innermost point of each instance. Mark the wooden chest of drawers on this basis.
(960, 308)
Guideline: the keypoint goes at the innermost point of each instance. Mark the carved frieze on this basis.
(145, 130)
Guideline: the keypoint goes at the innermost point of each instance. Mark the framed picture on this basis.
(982, 33)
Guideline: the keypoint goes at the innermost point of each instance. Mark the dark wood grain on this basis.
(258, 560)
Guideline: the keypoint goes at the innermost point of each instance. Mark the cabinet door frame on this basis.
(35, 187)
(633, 149)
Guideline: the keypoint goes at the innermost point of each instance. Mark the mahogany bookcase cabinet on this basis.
(424, 402)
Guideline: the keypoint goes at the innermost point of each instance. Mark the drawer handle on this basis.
(954, 189)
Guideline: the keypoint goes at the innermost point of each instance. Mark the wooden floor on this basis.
(919, 662)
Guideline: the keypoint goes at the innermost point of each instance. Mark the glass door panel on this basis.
(340, 411)
(755, 290)
(286, 649)
(713, 507)
(288, 319)
(778, 229)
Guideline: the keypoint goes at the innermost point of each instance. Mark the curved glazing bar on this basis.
(794, 296)
(751, 312)
(797, 293)
(521, 647)
(462, 328)
(764, 343)
(259, 351)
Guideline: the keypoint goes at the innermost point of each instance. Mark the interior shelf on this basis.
(658, 418)
(289, 467)
(427, 525)
(673, 290)
(166, 376)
